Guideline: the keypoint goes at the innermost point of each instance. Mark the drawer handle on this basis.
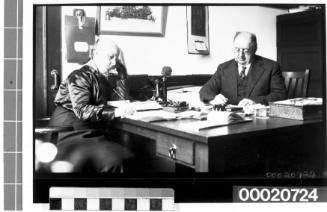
(172, 151)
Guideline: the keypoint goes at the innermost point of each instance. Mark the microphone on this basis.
(166, 71)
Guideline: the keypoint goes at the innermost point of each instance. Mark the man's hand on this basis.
(219, 100)
(124, 111)
(246, 102)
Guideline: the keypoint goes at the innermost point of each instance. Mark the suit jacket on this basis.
(265, 82)
(86, 92)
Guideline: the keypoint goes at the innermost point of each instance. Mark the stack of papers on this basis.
(150, 111)
(138, 106)
(191, 114)
(161, 115)
(118, 103)
(216, 119)
(255, 109)
(223, 116)
(147, 105)
(203, 125)
(151, 116)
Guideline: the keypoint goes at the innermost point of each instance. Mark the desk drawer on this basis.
(175, 148)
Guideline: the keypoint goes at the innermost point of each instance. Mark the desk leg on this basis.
(125, 139)
(209, 158)
(201, 158)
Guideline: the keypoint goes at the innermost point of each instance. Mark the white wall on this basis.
(225, 21)
(147, 55)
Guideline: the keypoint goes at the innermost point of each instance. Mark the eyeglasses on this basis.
(245, 51)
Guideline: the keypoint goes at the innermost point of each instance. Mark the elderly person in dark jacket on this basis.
(245, 80)
(81, 104)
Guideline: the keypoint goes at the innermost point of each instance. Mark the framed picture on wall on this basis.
(132, 20)
(197, 29)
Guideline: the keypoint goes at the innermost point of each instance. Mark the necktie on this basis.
(242, 74)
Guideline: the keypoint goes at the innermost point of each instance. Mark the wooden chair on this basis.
(296, 83)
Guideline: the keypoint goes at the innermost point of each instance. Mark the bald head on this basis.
(105, 55)
(107, 47)
(246, 38)
(245, 46)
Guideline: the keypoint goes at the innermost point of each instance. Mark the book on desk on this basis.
(298, 108)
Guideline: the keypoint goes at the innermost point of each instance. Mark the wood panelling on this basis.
(300, 46)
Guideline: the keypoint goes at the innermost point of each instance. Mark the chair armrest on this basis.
(44, 130)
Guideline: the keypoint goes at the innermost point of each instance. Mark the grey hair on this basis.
(253, 38)
(104, 45)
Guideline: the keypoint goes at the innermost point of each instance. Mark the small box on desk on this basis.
(298, 108)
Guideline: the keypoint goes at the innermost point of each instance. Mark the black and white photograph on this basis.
(211, 102)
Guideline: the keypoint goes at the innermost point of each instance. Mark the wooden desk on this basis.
(206, 150)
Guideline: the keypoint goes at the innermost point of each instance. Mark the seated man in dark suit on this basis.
(245, 80)
(81, 103)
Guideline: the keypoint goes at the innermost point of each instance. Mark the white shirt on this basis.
(246, 69)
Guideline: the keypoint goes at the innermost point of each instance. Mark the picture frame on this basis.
(132, 20)
(197, 29)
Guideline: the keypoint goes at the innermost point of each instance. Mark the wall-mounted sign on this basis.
(80, 35)
(197, 29)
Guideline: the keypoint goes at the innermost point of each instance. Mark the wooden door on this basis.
(300, 46)
(47, 58)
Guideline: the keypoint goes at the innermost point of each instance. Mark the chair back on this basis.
(140, 87)
(296, 83)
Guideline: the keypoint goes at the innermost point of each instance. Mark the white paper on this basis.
(152, 115)
(137, 106)
(189, 94)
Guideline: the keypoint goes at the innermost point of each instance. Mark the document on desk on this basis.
(161, 115)
(189, 95)
(191, 114)
(153, 115)
(216, 119)
(137, 105)
(118, 103)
